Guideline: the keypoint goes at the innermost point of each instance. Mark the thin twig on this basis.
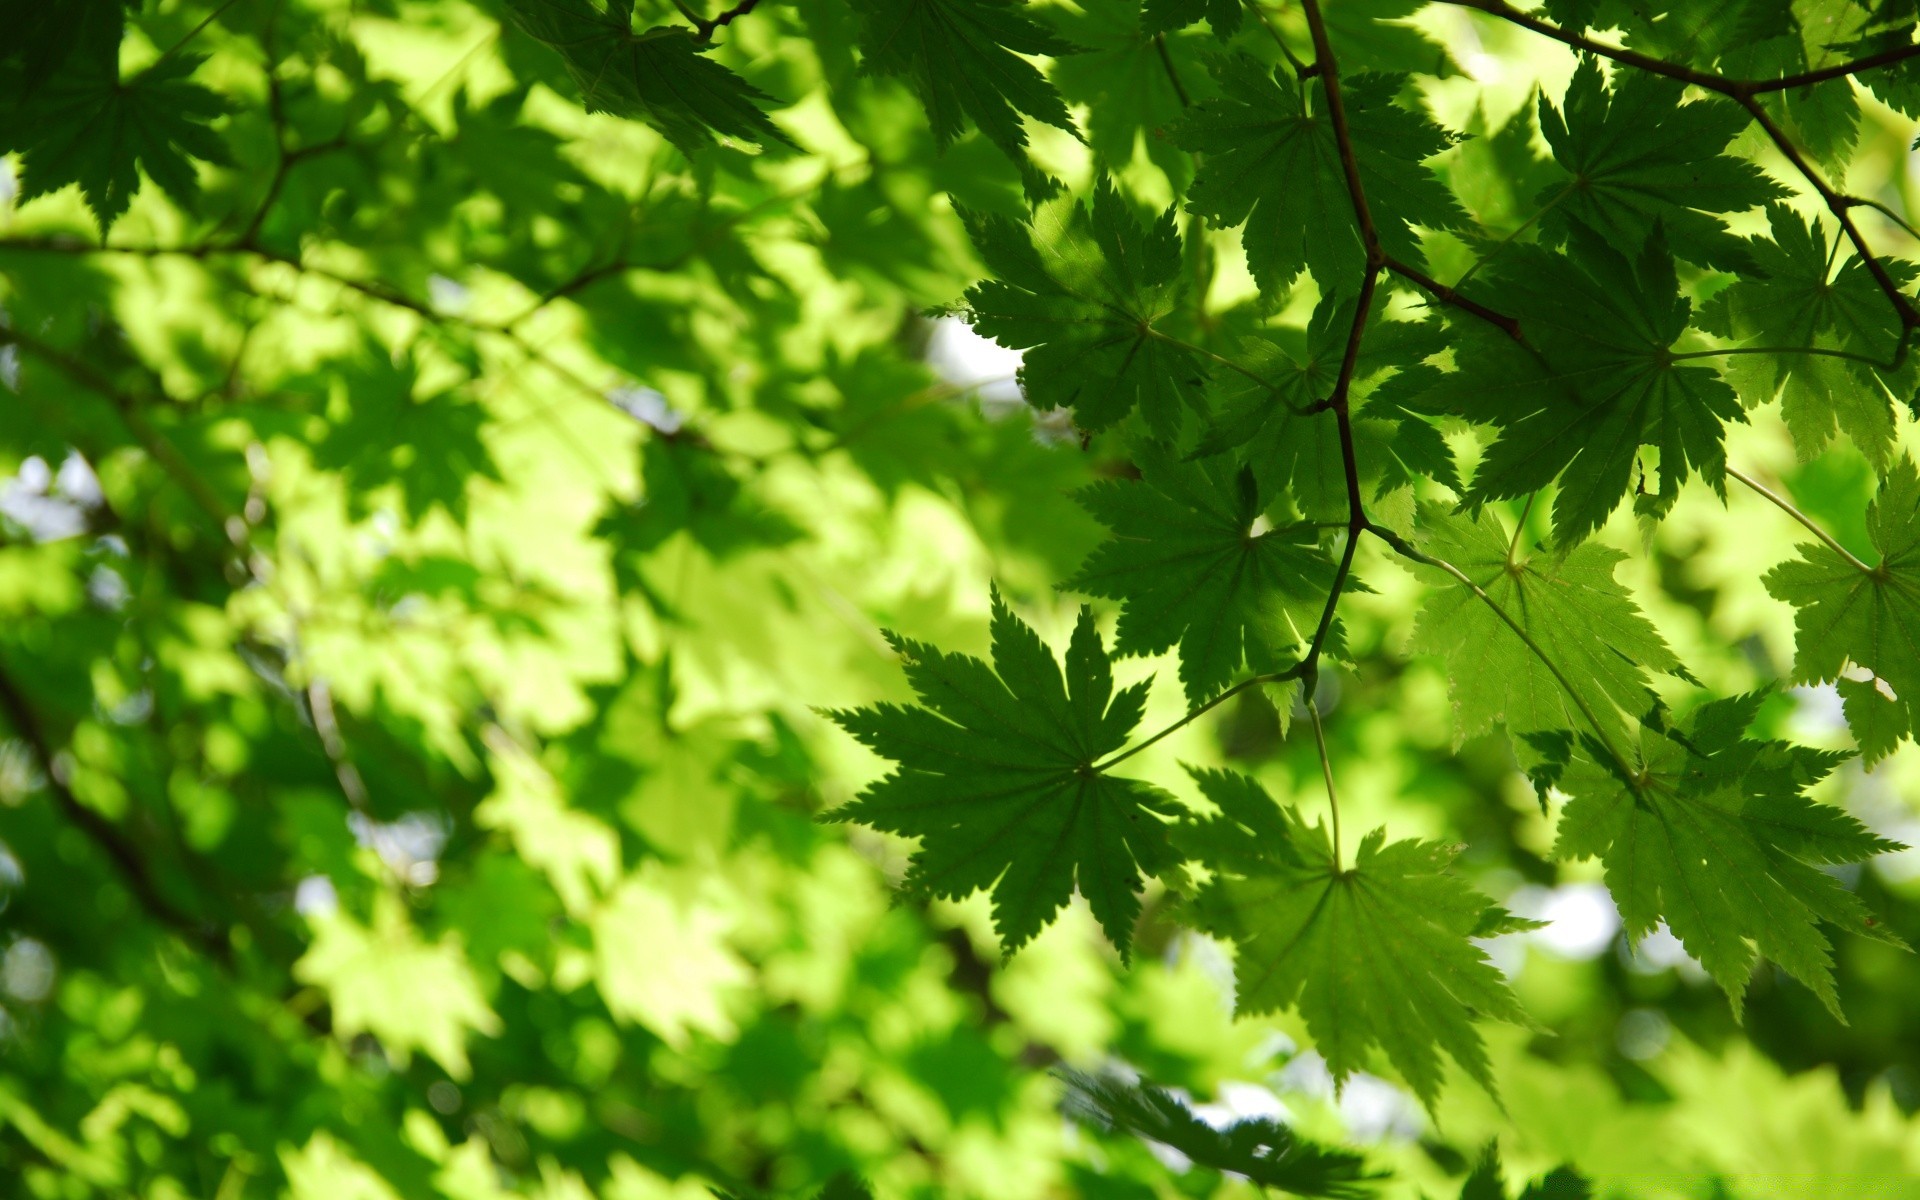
(1440, 291)
(1173, 75)
(703, 27)
(1326, 772)
(133, 869)
(1737, 88)
(1746, 93)
(1787, 506)
(1520, 526)
(1199, 711)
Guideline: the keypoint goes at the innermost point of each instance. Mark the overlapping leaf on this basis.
(1079, 290)
(1272, 163)
(1568, 604)
(1820, 332)
(1259, 1149)
(1192, 565)
(1710, 832)
(1268, 414)
(1861, 629)
(84, 124)
(1595, 379)
(963, 59)
(661, 76)
(1379, 954)
(999, 778)
(1641, 160)
(1134, 81)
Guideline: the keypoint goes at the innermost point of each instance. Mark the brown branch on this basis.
(1328, 72)
(1746, 93)
(1446, 295)
(1736, 88)
(703, 27)
(133, 869)
(1839, 205)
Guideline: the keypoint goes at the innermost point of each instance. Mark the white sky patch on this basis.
(1818, 713)
(314, 897)
(961, 356)
(1661, 951)
(1581, 918)
(1372, 1109)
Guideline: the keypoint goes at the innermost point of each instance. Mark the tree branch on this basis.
(1746, 93)
(703, 27)
(1446, 295)
(1736, 88)
(104, 834)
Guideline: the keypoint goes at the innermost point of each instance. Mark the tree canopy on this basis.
(959, 598)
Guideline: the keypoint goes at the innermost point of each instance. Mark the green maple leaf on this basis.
(431, 448)
(1079, 292)
(1804, 302)
(1192, 566)
(1710, 831)
(86, 125)
(1262, 1150)
(1867, 618)
(1377, 954)
(963, 59)
(1268, 412)
(1595, 380)
(1640, 159)
(1165, 16)
(1273, 163)
(1125, 75)
(662, 76)
(1568, 603)
(999, 778)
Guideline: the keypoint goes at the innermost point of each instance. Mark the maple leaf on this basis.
(1869, 618)
(1640, 160)
(1191, 565)
(963, 59)
(1709, 830)
(662, 76)
(1377, 954)
(86, 125)
(1080, 294)
(1165, 16)
(1595, 380)
(1569, 605)
(1126, 76)
(1804, 303)
(1262, 1150)
(431, 447)
(999, 778)
(1267, 412)
(1272, 162)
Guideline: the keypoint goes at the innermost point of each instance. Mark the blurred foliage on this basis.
(458, 458)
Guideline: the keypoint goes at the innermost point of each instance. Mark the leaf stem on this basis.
(1326, 772)
(1817, 351)
(1451, 295)
(1406, 549)
(1173, 75)
(1272, 388)
(1787, 506)
(1520, 526)
(1199, 711)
